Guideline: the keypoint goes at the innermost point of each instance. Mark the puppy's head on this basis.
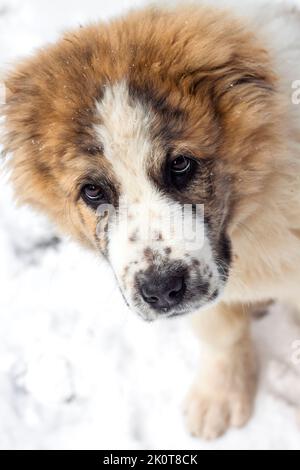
(143, 138)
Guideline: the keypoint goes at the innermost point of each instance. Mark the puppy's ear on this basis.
(21, 130)
(51, 96)
(264, 81)
(235, 76)
(17, 108)
(232, 61)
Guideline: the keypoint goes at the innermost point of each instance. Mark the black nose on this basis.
(162, 291)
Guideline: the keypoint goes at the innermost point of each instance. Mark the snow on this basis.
(77, 369)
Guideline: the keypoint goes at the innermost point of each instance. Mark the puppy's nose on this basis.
(163, 291)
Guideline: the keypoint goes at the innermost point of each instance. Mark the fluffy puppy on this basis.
(165, 108)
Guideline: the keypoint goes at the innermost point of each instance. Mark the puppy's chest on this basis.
(265, 270)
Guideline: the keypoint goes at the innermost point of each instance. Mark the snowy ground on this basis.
(77, 370)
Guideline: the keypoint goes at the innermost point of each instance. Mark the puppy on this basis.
(117, 127)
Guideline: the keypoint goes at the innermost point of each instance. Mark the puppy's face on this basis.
(143, 139)
(170, 252)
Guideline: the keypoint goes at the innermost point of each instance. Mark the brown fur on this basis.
(217, 93)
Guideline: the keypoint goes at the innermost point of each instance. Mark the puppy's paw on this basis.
(210, 414)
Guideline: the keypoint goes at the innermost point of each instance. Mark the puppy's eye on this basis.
(181, 171)
(92, 194)
(181, 165)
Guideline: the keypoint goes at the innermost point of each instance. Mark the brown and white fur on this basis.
(113, 105)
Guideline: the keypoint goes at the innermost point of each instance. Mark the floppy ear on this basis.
(19, 109)
(234, 76)
(19, 133)
(240, 82)
(230, 59)
(47, 110)
(50, 88)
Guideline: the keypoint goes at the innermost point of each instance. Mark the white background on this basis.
(77, 369)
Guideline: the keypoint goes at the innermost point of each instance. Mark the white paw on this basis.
(210, 415)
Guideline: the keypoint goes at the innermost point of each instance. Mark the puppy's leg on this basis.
(223, 393)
